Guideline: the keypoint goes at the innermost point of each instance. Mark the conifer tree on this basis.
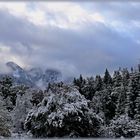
(89, 89)
(139, 67)
(121, 102)
(125, 77)
(137, 101)
(107, 78)
(131, 97)
(98, 83)
(5, 120)
(80, 83)
(5, 86)
(137, 107)
(117, 79)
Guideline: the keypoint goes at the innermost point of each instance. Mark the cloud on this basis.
(54, 35)
(52, 13)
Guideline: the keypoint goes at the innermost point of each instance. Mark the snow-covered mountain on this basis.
(35, 73)
(34, 76)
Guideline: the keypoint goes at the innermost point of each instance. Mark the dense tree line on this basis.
(114, 98)
(100, 106)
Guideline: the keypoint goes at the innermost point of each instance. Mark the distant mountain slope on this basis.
(34, 76)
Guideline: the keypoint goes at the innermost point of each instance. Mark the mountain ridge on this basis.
(33, 77)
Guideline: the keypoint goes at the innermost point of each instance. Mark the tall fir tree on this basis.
(131, 97)
(121, 102)
(89, 89)
(107, 78)
(80, 83)
(117, 79)
(125, 77)
(137, 106)
(98, 83)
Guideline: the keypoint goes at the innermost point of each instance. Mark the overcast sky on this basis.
(78, 37)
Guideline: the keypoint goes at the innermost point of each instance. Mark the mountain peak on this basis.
(13, 66)
(34, 76)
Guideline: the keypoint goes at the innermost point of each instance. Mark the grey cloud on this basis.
(123, 11)
(87, 51)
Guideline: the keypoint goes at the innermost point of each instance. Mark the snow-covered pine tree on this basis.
(5, 86)
(97, 104)
(121, 101)
(117, 79)
(98, 83)
(23, 106)
(137, 101)
(137, 107)
(80, 83)
(121, 92)
(37, 97)
(132, 94)
(89, 88)
(107, 78)
(103, 104)
(5, 120)
(109, 105)
(125, 77)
